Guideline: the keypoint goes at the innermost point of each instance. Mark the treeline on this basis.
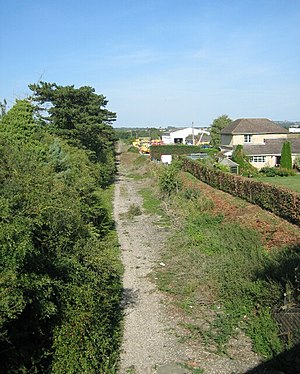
(131, 134)
(60, 271)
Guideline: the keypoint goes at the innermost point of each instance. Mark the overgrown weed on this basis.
(133, 211)
(245, 284)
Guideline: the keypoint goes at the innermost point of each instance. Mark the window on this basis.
(247, 138)
(257, 158)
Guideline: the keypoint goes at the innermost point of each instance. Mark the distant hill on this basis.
(287, 124)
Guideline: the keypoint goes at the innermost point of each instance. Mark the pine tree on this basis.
(286, 155)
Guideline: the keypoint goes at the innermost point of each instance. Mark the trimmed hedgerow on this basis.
(280, 201)
(178, 149)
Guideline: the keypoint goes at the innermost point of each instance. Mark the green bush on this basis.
(297, 163)
(133, 149)
(60, 280)
(272, 172)
(268, 171)
(282, 202)
(245, 169)
(282, 172)
(169, 181)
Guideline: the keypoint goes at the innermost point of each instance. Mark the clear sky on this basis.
(159, 62)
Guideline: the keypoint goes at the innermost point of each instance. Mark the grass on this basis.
(152, 205)
(220, 269)
(291, 183)
(133, 211)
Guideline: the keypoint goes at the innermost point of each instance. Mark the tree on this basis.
(3, 108)
(240, 158)
(60, 278)
(215, 132)
(286, 155)
(80, 116)
(19, 119)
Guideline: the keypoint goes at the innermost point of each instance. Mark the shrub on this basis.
(283, 172)
(272, 172)
(240, 158)
(223, 168)
(133, 149)
(169, 181)
(133, 211)
(297, 163)
(286, 155)
(268, 172)
(284, 203)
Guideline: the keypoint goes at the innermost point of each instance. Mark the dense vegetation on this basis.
(60, 272)
(130, 134)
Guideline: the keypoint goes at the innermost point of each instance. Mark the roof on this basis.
(271, 147)
(253, 126)
(206, 138)
(228, 162)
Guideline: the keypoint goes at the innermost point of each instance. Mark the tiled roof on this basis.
(271, 147)
(253, 126)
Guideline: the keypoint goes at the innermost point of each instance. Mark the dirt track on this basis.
(150, 344)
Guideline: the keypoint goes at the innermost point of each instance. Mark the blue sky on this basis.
(159, 62)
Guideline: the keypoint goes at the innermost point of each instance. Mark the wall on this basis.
(256, 138)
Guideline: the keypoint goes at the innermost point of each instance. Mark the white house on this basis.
(179, 136)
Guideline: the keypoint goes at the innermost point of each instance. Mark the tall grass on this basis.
(220, 266)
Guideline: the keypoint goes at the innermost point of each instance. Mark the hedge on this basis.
(177, 149)
(282, 202)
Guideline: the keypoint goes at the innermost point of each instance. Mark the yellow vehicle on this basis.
(144, 148)
(136, 143)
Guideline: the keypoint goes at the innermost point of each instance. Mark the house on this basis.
(269, 153)
(261, 138)
(182, 136)
(247, 131)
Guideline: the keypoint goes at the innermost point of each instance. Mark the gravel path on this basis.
(149, 342)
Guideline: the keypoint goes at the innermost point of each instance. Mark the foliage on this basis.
(240, 158)
(133, 211)
(60, 274)
(297, 163)
(224, 168)
(133, 149)
(212, 262)
(80, 116)
(215, 132)
(282, 202)
(272, 172)
(177, 149)
(286, 156)
(169, 181)
(134, 133)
